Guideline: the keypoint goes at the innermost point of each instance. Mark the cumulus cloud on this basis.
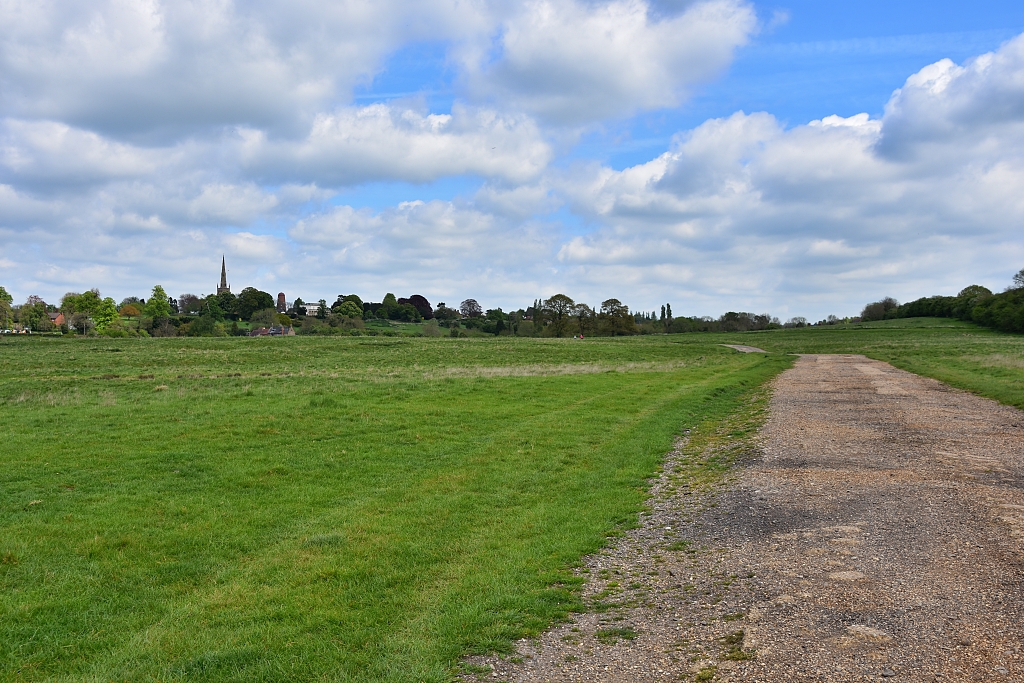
(922, 200)
(979, 104)
(388, 141)
(45, 153)
(152, 69)
(147, 67)
(574, 62)
(429, 234)
(140, 139)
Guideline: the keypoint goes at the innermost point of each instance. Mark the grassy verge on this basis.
(321, 509)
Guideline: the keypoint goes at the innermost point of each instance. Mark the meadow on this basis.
(336, 509)
(355, 509)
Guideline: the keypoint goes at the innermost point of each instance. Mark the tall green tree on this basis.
(87, 302)
(228, 303)
(538, 314)
(211, 307)
(158, 306)
(349, 309)
(105, 314)
(33, 314)
(5, 307)
(251, 300)
(559, 309)
(614, 318)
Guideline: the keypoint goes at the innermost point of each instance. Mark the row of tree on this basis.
(1003, 311)
(220, 314)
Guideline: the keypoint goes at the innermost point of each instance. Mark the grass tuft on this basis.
(610, 636)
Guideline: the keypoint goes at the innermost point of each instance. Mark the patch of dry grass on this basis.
(537, 370)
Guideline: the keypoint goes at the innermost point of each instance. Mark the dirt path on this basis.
(878, 535)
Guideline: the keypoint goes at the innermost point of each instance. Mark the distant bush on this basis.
(880, 310)
(977, 304)
(729, 322)
(1001, 311)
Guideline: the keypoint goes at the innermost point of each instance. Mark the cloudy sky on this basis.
(799, 158)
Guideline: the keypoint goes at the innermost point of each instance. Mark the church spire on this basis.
(223, 287)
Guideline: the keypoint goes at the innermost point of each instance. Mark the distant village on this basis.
(256, 313)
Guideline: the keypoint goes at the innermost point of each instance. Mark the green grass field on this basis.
(353, 509)
(337, 509)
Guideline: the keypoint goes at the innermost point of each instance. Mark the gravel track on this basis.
(876, 534)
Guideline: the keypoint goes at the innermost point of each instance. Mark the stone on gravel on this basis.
(867, 633)
(846, 576)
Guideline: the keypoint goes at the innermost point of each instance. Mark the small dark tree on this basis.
(265, 318)
(446, 316)
(131, 301)
(470, 309)
(880, 310)
(615, 319)
(1018, 279)
(584, 315)
(421, 304)
(189, 304)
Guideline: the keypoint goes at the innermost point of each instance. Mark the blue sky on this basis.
(654, 152)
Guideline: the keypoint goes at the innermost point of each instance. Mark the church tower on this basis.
(223, 287)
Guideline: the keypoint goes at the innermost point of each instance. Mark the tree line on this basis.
(226, 314)
(977, 304)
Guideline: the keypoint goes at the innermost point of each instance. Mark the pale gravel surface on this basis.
(743, 348)
(877, 534)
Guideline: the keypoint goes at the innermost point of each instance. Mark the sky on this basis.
(795, 158)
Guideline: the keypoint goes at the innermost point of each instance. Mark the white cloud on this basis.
(140, 139)
(223, 203)
(435, 234)
(157, 70)
(574, 62)
(265, 248)
(844, 209)
(145, 67)
(381, 141)
(48, 152)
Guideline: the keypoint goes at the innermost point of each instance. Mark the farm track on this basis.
(876, 534)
